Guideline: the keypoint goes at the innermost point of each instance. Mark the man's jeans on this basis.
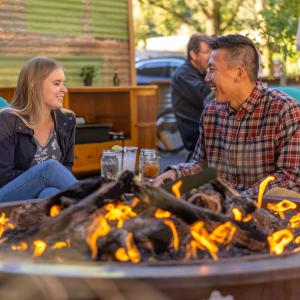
(40, 181)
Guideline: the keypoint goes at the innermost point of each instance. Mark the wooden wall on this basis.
(75, 32)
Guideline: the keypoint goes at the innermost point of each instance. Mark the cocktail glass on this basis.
(129, 158)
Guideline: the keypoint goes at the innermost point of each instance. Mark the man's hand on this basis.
(159, 180)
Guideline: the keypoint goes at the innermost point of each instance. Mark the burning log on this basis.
(246, 235)
(51, 228)
(264, 221)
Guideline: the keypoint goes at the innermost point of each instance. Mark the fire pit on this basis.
(171, 249)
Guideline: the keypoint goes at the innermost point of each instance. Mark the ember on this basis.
(127, 221)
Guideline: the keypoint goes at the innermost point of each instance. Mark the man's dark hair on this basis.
(194, 43)
(240, 49)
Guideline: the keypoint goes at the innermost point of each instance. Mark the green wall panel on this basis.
(10, 67)
(100, 18)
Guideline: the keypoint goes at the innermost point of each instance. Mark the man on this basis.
(248, 132)
(189, 89)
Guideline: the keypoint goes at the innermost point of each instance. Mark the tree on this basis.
(276, 24)
(164, 17)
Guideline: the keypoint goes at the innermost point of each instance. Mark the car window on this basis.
(172, 66)
(157, 69)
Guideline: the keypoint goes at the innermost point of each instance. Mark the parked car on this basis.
(160, 68)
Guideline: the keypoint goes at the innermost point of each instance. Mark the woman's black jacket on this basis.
(17, 144)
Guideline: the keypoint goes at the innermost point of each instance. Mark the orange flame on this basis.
(223, 234)
(281, 207)
(171, 225)
(201, 236)
(3, 223)
(279, 240)
(20, 247)
(160, 214)
(237, 214)
(262, 188)
(297, 239)
(39, 247)
(176, 188)
(132, 251)
(54, 210)
(98, 228)
(295, 221)
(60, 245)
(247, 218)
(191, 250)
(121, 254)
(135, 202)
(119, 212)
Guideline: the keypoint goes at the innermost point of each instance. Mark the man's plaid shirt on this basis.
(262, 138)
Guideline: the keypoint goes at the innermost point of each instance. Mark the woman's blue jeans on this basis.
(40, 181)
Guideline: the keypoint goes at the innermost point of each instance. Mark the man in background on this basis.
(189, 89)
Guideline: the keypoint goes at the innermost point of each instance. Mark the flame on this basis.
(132, 251)
(247, 218)
(191, 250)
(297, 239)
(279, 240)
(3, 223)
(176, 188)
(135, 202)
(223, 234)
(54, 210)
(20, 247)
(121, 254)
(201, 236)
(171, 225)
(237, 214)
(119, 212)
(281, 207)
(262, 188)
(59, 245)
(295, 221)
(160, 214)
(98, 228)
(39, 247)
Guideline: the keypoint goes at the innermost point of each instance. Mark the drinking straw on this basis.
(122, 137)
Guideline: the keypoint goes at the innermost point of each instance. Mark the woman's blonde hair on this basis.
(28, 97)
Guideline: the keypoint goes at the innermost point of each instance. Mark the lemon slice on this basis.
(116, 148)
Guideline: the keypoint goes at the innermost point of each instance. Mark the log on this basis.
(246, 234)
(262, 218)
(53, 227)
(27, 215)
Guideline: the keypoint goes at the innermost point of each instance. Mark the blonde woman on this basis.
(36, 135)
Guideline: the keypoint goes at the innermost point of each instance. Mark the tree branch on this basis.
(232, 17)
(185, 19)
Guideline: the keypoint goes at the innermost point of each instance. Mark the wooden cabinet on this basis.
(128, 109)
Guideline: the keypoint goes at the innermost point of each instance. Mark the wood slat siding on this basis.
(74, 32)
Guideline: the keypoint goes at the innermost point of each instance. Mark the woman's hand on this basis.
(159, 180)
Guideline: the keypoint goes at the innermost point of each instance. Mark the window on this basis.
(153, 69)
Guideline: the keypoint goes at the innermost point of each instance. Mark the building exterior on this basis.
(74, 32)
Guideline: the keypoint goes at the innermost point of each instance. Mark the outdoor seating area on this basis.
(150, 150)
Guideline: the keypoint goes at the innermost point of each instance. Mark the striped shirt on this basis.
(262, 138)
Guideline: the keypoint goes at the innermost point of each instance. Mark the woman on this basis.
(36, 135)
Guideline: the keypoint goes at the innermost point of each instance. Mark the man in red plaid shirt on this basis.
(248, 132)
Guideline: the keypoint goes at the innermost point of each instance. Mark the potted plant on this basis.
(87, 73)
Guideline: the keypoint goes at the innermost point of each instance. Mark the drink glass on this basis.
(110, 164)
(144, 152)
(150, 168)
(129, 158)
